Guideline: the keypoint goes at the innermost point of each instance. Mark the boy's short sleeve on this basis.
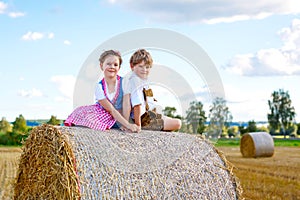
(137, 97)
(130, 83)
(133, 85)
(126, 86)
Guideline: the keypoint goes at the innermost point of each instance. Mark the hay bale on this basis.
(257, 144)
(149, 165)
(46, 167)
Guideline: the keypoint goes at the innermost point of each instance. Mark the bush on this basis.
(12, 138)
(293, 135)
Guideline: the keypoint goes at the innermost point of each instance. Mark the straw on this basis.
(149, 165)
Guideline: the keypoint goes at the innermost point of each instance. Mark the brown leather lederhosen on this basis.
(151, 120)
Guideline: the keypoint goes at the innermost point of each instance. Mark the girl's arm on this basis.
(111, 109)
(126, 106)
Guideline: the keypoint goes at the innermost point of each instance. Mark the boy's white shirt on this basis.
(133, 85)
(125, 83)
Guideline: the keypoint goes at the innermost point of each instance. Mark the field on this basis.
(8, 169)
(275, 177)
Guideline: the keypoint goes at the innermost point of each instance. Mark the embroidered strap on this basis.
(117, 92)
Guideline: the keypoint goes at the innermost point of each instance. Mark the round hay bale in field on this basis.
(46, 167)
(112, 164)
(257, 144)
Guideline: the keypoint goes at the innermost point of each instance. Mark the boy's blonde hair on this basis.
(139, 56)
(110, 53)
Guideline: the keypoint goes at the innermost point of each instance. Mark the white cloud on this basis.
(236, 18)
(50, 35)
(30, 93)
(65, 85)
(67, 42)
(226, 19)
(33, 36)
(267, 62)
(3, 7)
(36, 36)
(206, 11)
(253, 109)
(245, 106)
(16, 14)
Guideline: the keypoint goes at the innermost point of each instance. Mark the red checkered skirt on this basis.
(92, 116)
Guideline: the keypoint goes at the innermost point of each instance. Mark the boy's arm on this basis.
(126, 106)
(137, 114)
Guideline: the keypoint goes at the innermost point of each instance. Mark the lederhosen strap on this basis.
(147, 93)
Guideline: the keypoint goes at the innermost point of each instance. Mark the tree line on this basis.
(18, 131)
(281, 120)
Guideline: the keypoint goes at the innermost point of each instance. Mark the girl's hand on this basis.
(123, 128)
(134, 128)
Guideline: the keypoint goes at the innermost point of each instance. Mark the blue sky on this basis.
(255, 46)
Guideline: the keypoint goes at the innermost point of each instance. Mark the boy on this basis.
(138, 101)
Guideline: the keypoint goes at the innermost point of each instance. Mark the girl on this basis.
(106, 111)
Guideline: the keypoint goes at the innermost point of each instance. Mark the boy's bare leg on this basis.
(171, 124)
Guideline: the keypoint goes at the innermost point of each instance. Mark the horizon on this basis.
(253, 48)
(206, 122)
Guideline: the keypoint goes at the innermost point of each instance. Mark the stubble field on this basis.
(8, 168)
(276, 177)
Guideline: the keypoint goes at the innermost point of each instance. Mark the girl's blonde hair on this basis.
(110, 53)
(139, 56)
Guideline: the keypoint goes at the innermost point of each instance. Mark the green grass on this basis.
(286, 143)
(227, 142)
(277, 142)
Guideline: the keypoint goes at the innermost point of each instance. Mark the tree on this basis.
(233, 131)
(282, 114)
(242, 129)
(19, 125)
(5, 125)
(219, 116)
(262, 129)
(292, 130)
(298, 129)
(196, 117)
(170, 112)
(252, 126)
(53, 120)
